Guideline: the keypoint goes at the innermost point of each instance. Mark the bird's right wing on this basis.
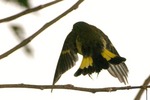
(67, 58)
(119, 71)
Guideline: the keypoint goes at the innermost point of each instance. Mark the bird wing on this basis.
(119, 71)
(67, 58)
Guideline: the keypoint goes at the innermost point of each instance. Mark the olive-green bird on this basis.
(97, 50)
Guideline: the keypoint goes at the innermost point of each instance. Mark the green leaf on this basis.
(19, 33)
(23, 3)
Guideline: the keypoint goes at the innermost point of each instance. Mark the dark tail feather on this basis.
(117, 60)
(85, 71)
(99, 62)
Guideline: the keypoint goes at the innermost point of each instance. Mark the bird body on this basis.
(97, 51)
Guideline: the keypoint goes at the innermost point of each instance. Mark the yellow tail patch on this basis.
(107, 54)
(86, 62)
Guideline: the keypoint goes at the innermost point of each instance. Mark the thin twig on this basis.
(26, 41)
(145, 84)
(28, 11)
(71, 87)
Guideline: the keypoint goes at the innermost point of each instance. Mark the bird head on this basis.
(81, 27)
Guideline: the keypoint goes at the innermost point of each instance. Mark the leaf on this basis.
(23, 3)
(28, 50)
(19, 33)
(18, 30)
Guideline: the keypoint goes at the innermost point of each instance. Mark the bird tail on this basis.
(97, 62)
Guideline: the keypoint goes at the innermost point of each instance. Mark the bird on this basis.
(97, 50)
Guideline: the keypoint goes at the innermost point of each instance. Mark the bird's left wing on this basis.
(68, 56)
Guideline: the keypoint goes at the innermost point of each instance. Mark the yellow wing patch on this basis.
(65, 51)
(86, 62)
(108, 55)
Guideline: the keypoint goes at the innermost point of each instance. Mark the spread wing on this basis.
(67, 58)
(119, 71)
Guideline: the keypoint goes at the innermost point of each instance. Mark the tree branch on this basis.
(71, 87)
(29, 39)
(28, 11)
(147, 81)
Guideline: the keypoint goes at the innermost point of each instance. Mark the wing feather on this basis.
(68, 56)
(119, 71)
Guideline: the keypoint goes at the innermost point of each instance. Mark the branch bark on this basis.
(147, 81)
(28, 11)
(29, 39)
(71, 87)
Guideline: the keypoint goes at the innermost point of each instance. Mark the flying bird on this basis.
(97, 50)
